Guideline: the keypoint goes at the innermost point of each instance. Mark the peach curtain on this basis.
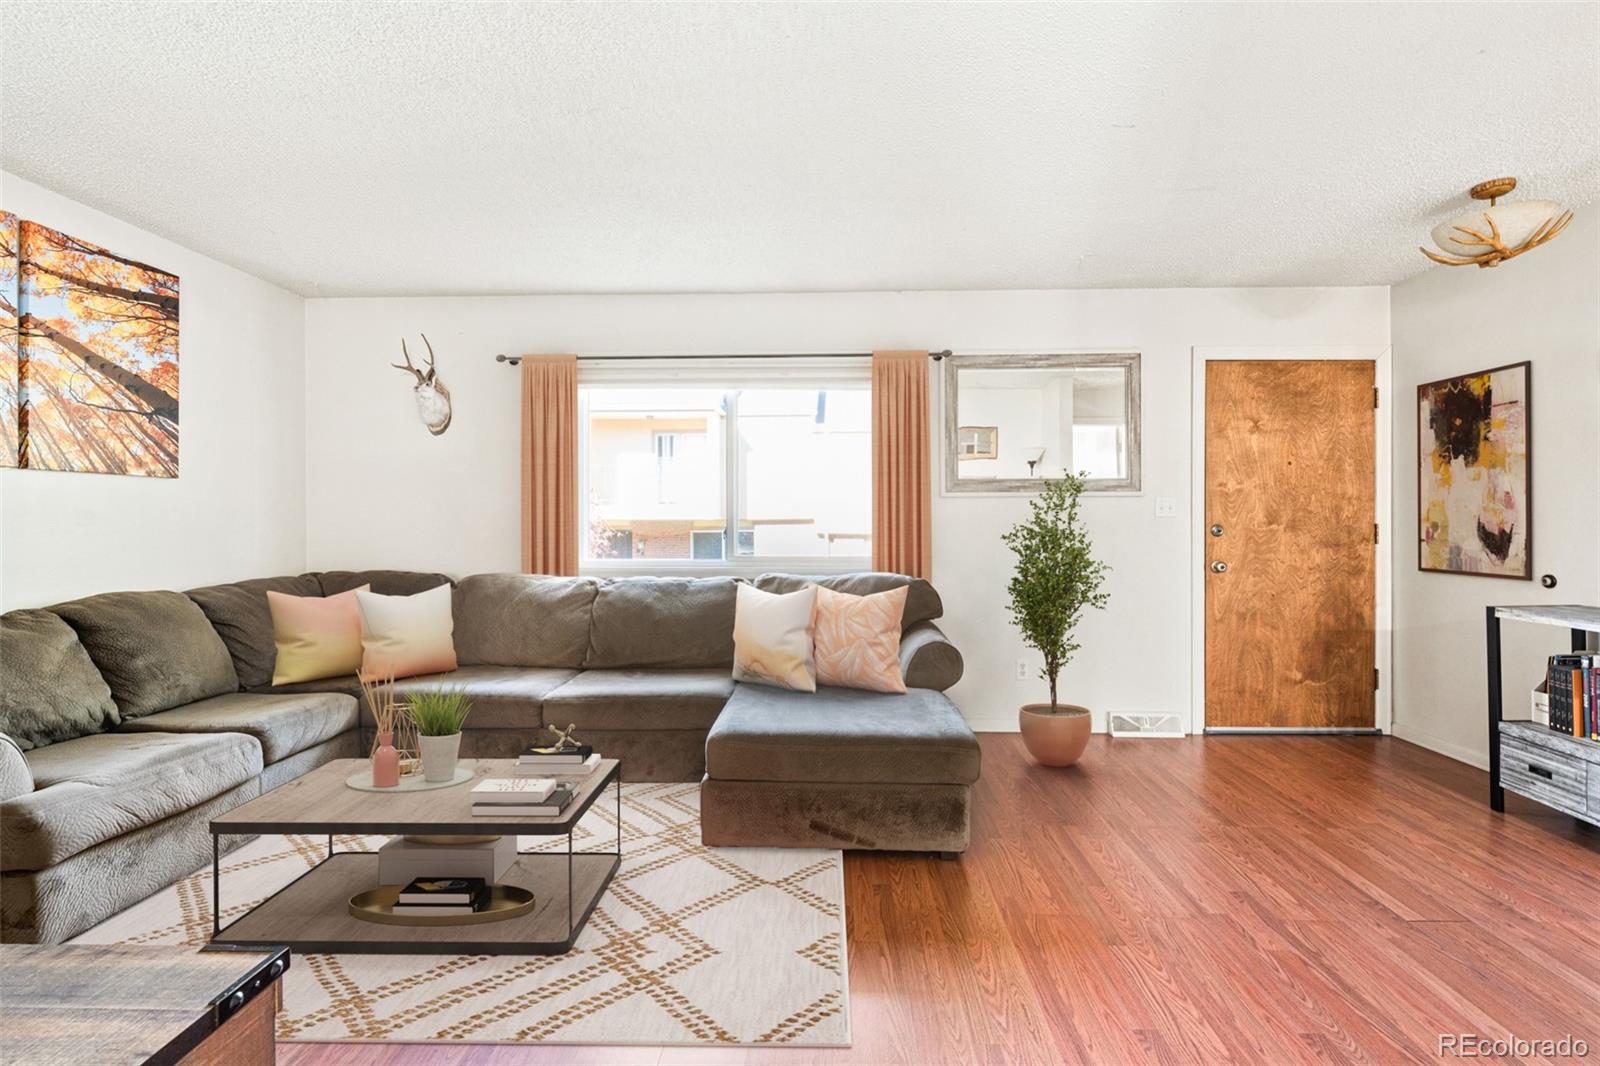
(550, 464)
(902, 488)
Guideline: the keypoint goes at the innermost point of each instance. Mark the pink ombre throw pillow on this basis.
(403, 636)
(317, 636)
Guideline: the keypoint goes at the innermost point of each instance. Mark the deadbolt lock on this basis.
(1219, 567)
(1216, 529)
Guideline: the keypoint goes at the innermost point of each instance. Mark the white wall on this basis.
(381, 492)
(237, 508)
(1543, 306)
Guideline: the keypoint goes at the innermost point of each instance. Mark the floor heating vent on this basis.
(1128, 724)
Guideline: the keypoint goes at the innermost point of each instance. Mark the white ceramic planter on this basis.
(439, 756)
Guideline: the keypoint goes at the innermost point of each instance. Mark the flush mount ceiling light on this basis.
(1491, 235)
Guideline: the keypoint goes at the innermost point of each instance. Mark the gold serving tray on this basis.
(377, 905)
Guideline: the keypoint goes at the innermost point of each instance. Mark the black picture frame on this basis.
(1423, 390)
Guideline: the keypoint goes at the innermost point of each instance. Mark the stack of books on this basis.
(521, 797)
(434, 897)
(566, 768)
(1573, 682)
(569, 762)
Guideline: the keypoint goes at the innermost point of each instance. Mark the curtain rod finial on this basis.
(939, 355)
(514, 360)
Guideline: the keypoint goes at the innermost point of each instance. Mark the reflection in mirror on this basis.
(1021, 419)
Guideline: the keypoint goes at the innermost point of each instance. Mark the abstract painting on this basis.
(90, 359)
(1473, 478)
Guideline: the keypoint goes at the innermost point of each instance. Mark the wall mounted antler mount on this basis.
(433, 399)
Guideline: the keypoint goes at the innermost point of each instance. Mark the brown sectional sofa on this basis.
(141, 715)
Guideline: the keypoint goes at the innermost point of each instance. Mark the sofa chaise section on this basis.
(839, 768)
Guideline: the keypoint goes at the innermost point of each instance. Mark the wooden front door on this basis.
(1290, 539)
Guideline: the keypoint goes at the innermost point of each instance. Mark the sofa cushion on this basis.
(155, 649)
(94, 789)
(348, 685)
(238, 612)
(15, 777)
(922, 601)
(640, 699)
(283, 725)
(523, 620)
(842, 735)
(51, 690)
(383, 582)
(503, 697)
(680, 622)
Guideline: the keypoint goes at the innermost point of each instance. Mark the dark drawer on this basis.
(1546, 775)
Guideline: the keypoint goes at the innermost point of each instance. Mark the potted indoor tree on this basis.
(438, 716)
(1056, 577)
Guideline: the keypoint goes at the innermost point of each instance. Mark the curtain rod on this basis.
(515, 360)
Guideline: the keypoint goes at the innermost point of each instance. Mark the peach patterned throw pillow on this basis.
(858, 639)
(772, 638)
(317, 636)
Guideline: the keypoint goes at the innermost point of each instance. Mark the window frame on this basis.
(731, 374)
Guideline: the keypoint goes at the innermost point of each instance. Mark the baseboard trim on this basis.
(994, 724)
(1458, 752)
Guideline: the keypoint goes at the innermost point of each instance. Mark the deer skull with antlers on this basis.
(433, 399)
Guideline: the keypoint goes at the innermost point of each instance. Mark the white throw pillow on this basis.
(772, 638)
(404, 636)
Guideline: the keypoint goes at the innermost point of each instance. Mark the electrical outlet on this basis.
(1022, 669)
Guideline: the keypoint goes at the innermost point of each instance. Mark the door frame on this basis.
(1383, 501)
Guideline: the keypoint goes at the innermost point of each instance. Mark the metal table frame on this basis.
(575, 921)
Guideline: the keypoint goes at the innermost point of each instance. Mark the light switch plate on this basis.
(1166, 507)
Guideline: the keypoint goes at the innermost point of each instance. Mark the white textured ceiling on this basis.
(346, 149)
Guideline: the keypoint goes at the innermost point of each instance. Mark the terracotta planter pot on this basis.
(1055, 739)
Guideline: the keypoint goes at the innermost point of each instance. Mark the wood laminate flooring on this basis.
(1214, 899)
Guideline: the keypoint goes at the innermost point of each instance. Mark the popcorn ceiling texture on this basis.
(360, 149)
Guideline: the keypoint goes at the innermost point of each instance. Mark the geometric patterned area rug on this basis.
(690, 945)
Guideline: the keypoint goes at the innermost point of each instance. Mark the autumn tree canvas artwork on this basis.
(90, 356)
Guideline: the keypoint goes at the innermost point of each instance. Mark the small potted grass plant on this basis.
(1057, 576)
(438, 716)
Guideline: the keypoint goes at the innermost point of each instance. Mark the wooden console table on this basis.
(1532, 760)
(117, 1005)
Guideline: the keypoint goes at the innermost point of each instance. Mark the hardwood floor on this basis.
(1249, 899)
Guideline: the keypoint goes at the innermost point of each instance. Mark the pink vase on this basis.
(385, 763)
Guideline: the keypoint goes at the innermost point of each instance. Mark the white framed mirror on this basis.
(1012, 421)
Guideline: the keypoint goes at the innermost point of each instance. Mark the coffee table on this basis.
(312, 912)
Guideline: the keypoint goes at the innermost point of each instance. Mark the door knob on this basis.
(1216, 529)
(1219, 567)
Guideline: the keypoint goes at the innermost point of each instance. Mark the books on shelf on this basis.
(1572, 682)
(401, 861)
(443, 896)
(551, 806)
(565, 769)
